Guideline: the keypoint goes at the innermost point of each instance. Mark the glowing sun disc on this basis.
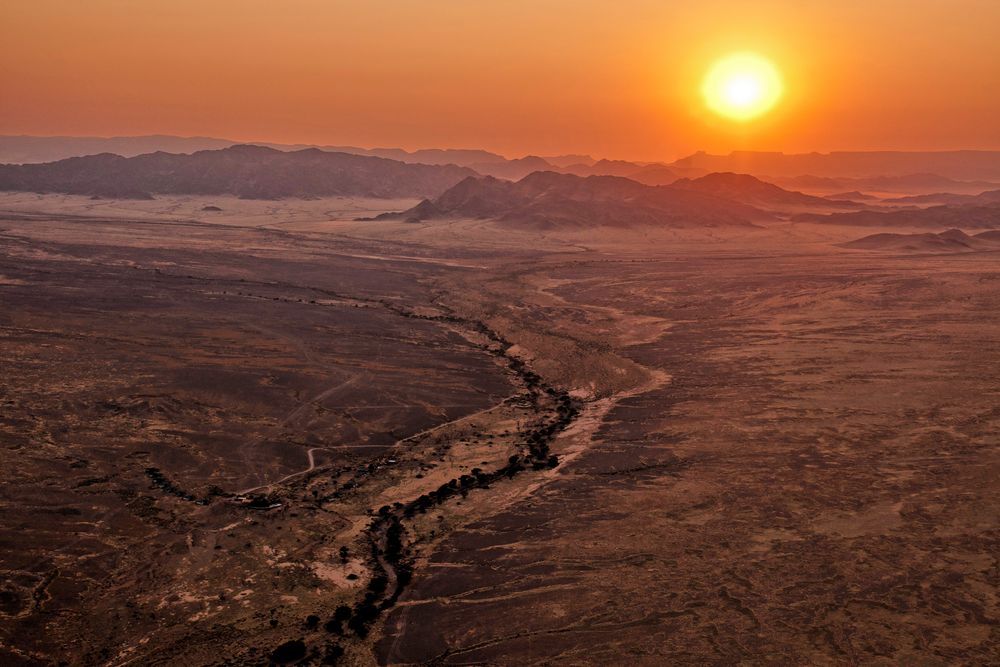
(742, 86)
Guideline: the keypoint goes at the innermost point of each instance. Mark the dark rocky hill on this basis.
(549, 199)
(751, 190)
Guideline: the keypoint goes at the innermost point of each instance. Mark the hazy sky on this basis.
(613, 78)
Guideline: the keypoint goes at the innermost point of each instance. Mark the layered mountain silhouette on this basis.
(561, 161)
(654, 174)
(463, 157)
(29, 150)
(512, 169)
(252, 172)
(603, 168)
(553, 200)
(22, 149)
(965, 172)
(33, 150)
(952, 240)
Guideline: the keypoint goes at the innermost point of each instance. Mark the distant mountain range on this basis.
(604, 192)
(34, 150)
(960, 172)
(260, 172)
(253, 172)
(959, 165)
(976, 216)
(953, 240)
(910, 183)
(543, 198)
(989, 197)
(29, 149)
(547, 200)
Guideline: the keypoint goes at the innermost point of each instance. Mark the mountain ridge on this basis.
(547, 200)
(749, 189)
(244, 170)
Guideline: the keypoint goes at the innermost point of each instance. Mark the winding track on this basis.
(312, 466)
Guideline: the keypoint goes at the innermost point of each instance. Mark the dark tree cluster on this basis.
(164, 483)
(167, 485)
(259, 502)
(290, 651)
(390, 559)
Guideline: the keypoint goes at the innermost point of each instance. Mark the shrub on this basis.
(290, 651)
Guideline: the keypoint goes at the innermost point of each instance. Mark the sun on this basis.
(742, 86)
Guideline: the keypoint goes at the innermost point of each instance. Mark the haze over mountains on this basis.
(259, 172)
(959, 165)
(989, 197)
(907, 183)
(31, 150)
(528, 191)
(967, 172)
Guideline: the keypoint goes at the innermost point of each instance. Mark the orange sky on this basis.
(614, 78)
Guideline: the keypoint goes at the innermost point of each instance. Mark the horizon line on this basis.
(588, 154)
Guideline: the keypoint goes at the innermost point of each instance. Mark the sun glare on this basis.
(742, 86)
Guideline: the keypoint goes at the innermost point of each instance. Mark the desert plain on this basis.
(237, 432)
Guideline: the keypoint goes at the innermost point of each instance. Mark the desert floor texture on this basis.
(221, 429)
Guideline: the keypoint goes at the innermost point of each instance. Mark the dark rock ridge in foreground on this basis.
(251, 172)
(549, 200)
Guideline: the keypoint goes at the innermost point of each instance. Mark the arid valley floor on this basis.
(460, 443)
